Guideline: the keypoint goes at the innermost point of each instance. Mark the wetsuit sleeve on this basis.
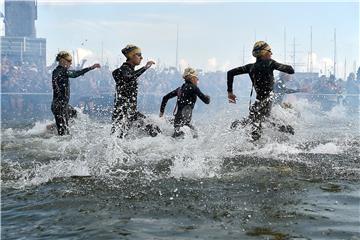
(59, 85)
(129, 74)
(233, 72)
(202, 96)
(116, 75)
(283, 67)
(140, 71)
(166, 99)
(77, 73)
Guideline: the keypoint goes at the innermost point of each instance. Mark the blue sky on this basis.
(212, 35)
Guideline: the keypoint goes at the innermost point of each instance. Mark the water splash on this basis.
(90, 150)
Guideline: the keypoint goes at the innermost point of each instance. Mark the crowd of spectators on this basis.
(25, 88)
(24, 78)
(330, 91)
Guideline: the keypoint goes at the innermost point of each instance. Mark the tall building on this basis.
(20, 44)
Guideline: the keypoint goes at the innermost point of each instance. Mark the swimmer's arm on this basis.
(166, 98)
(283, 67)
(233, 72)
(127, 73)
(116, 75)
(138, 72)
(203, 97)
(77, 73)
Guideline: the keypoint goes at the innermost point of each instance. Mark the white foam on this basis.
(91, 150)
(328, 148)
(337, 113)
(39, 128)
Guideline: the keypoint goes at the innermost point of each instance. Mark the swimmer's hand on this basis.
(231, 97)
(149, 64)
(96, 65)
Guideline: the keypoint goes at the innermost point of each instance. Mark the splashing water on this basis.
(91, 151)
(219, 184)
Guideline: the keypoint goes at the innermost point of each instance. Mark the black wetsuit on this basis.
(262, 78)
(125, 103)
(61, 95)
(187, 95)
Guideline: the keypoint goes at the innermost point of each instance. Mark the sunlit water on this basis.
(90, 185)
